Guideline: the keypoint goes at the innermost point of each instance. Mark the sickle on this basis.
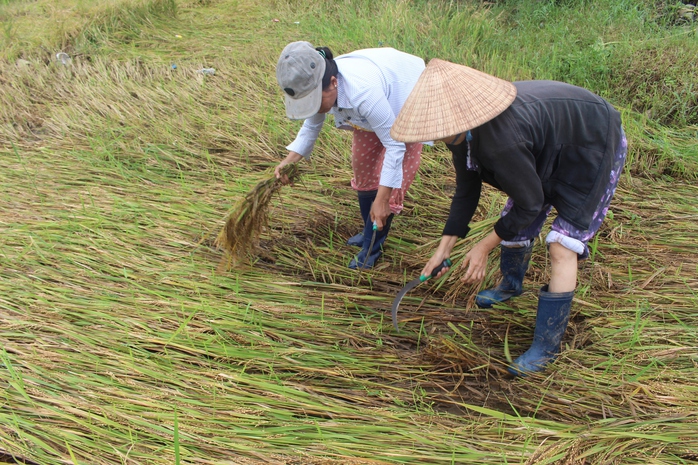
(415, 282)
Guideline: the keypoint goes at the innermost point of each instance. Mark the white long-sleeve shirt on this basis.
(373, 84)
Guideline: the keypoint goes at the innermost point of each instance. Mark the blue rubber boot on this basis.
(366, 199)
(513, 265)
(366, 258)
(551, 323)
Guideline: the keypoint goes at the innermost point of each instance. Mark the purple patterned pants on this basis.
(562, 231)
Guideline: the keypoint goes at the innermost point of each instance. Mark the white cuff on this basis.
(567, 242)
(516, 244)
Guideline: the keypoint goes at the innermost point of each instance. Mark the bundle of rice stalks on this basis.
(246, 220)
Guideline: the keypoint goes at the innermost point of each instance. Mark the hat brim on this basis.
(304, 107)
(449, 99)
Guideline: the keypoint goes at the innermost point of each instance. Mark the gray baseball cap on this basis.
(299, 73)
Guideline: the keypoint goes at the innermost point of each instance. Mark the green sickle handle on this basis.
(446, 264)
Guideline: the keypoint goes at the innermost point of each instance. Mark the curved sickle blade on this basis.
(398, 299)
(415, 282)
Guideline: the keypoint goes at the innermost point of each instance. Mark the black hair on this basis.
(330, 66)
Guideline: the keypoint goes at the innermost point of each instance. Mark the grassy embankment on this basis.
(120, 343)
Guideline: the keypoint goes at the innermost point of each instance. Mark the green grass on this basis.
(121, 344)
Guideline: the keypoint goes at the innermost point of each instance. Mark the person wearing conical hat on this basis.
(545, 144)
(364, 91)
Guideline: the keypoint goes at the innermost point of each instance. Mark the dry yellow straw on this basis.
(246, 220)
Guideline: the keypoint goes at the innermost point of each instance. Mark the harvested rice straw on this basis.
(245, 222)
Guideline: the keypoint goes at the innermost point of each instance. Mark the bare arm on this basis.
(442, 252)
(292, 157)
(476, 259)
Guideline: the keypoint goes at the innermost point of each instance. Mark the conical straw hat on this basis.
(449, 99)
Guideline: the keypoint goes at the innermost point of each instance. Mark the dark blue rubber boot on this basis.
(513, 265)
(551, 323)
(366, 199)
(366, 258)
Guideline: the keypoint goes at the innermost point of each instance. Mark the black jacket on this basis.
(554, 145)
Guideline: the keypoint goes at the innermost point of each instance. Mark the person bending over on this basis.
(545, 144)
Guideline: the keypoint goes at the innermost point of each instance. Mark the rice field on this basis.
(125, 342)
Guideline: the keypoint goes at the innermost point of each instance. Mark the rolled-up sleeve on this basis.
(379, 115)
(308, 134)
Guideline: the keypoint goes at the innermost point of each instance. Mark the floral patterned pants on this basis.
(367, 153)
(562, 231)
